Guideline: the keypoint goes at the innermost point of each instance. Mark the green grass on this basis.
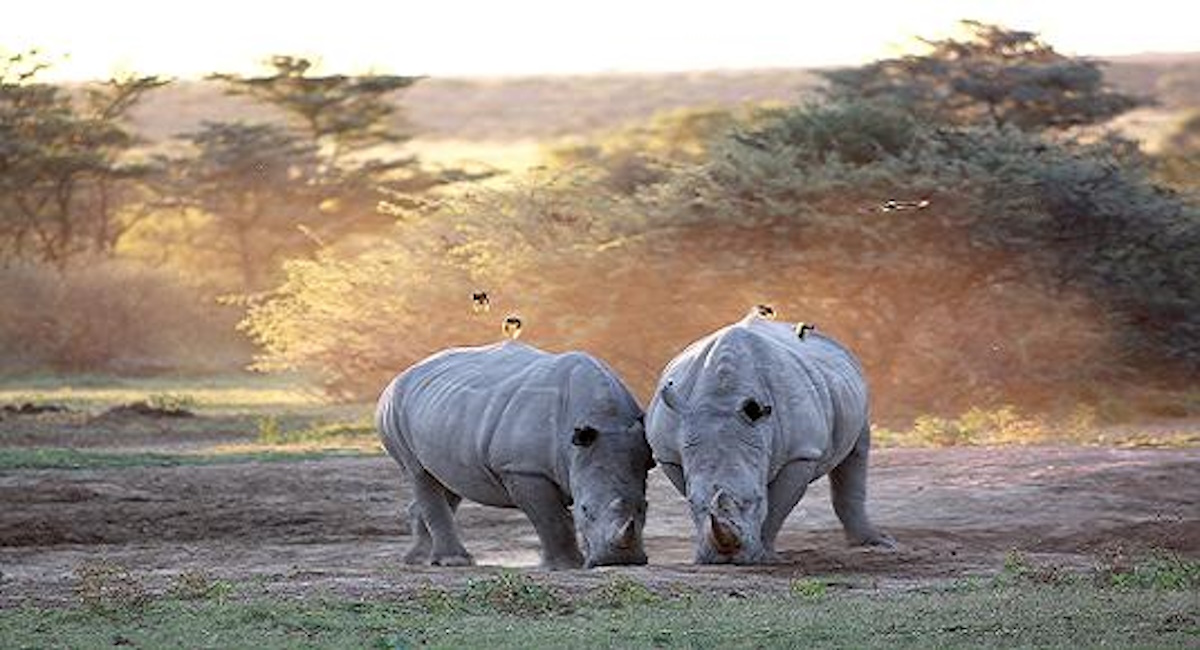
(212, 395)
(14, 458)
(1006, 425)
(1068, 615)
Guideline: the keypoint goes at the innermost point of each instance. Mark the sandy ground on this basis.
(334, 527)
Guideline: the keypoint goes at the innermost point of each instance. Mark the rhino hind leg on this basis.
(422, 548)
(422, 542)
(436, 505)
(783, 494)
(541, 500)
(848, 491)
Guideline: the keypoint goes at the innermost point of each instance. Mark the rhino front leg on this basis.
(433, 501)
(675, 474)
(541, 500)
(783, 493)
(848, 490)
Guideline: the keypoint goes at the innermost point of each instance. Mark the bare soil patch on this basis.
(335, 526)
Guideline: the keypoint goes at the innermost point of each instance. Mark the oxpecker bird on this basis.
(512, 326)
(480, 302)
(764, 311)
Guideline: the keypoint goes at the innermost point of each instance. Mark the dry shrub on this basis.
(933, 336)
(111, 316)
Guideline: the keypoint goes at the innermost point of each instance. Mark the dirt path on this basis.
(334, 526)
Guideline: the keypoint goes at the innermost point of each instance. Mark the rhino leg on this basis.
(422, 542)
(422, 547)
(848, 489)
(542, 501)
(433, 501)
(675, 473)
(783, 493)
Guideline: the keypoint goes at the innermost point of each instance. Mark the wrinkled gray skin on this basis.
(745, 418)
(558, 436)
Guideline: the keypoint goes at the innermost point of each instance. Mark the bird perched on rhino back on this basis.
(745, 418)
(557, 435)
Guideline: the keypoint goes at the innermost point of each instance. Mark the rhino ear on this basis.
(584, 436)
(753, 411)
(671, 398)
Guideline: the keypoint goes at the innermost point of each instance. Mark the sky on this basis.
(98, 38)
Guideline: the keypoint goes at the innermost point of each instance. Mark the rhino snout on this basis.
(623, 547)
(615, 535)
(728, 530)
(724, 537)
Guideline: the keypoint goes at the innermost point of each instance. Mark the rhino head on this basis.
(725, 451)
(609, 461)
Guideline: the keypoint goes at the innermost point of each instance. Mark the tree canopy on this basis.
(63, 171)
(995, 75)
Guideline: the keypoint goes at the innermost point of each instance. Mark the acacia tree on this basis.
(64, 177)
(996, 75)
(357, 130)
(255, 183)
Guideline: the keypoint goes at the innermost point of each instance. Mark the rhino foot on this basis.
(876, 540)
(453, 560)
(772, 557)
(562, 564)
(417, 556)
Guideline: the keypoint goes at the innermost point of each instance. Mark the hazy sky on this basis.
(488, 37)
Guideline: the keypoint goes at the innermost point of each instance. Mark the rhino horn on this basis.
(723, 536)
(723, 503)
(627, 535)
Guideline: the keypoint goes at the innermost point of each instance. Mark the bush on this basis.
(965, 266)
(355, 319)
(111, 316)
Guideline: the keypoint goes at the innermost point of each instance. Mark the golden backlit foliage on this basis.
(963, 297)
(967, 265)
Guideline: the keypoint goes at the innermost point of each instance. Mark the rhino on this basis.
(745, 418)
(557, 435)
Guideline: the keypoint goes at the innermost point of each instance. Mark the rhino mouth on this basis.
(622, 547)
(724, 537)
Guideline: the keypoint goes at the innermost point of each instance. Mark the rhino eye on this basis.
(755, 411)
(584, 436)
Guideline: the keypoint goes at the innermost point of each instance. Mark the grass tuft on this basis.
(110, 589)
(809, 588)
(516, 594)
(198, 584)
(1164, 571)
(622, 591)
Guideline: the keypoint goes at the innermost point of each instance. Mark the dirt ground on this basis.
(334, 527)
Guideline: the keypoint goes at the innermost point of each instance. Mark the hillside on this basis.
(503, 121)
(506, 109)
